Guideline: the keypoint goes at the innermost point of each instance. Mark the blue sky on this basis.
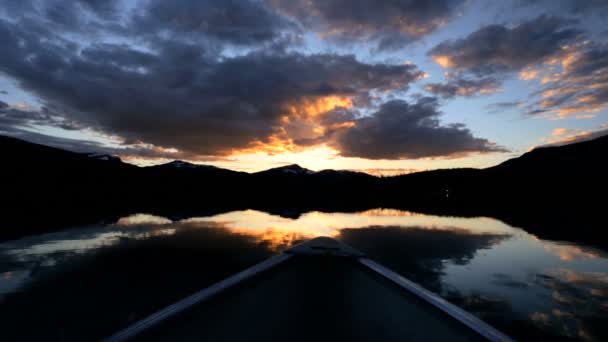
(326, 84)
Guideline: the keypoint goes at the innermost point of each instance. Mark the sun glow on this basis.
(302, 121)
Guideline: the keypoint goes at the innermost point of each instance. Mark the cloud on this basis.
(564, 136)
(569, 7)
(3, 92)
(478, 63)
(23, 122)
(529, 73)
(464, 87)
(178, 96)
(580, 85)
(20, 116)
(390, 24)
(204, 79)
(499, 107)
(74, 145)
(126, 152)
(559, 131)
(81, 16)
(401, 130)
(497, 49)
(243, 22)
(212, 24)
(573, 72)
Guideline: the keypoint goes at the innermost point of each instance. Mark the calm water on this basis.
(86, 283)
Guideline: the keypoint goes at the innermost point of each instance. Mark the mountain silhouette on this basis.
(180, 164)
(544, 187)
(293, 169)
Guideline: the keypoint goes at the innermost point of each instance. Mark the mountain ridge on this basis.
(546, 151)
(44, 185)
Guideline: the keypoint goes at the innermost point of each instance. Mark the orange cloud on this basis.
(529, 74)
(314, 107)
(571, 92)
(579, 111)
(301, 122)
(561, 136)
(274, 144)
(569, 60)
(559, 132)
(444, 61)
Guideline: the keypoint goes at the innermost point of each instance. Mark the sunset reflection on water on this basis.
(480, 263)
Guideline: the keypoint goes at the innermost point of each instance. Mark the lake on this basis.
(87, 282)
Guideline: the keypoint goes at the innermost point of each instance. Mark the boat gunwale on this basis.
(196, 298)
(343, 250)
(464, 317)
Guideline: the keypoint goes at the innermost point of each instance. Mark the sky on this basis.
(381, 86)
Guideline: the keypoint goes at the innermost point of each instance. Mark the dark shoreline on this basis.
(557, 193)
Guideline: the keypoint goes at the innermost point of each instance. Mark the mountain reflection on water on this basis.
(115, 274)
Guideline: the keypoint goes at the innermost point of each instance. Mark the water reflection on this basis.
(117, 282)
(570, 252)
(420, 253)
(142, 219)
(329, 224)
(529, 287)
(579, 302)
(551, 284)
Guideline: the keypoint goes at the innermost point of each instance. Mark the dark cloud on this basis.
(239, 22)
(243, 22)
(74, 145)
(464, 87)
(89, 146)
(181, 97)
(569, 7)
(494, 52)
(409, 130)
(391, 23)
(497, 49)
(12, 117)
(537, 111)
(103, 8)
(216, 77)
(3, 92)
(22, 123)
(25, 124)
(81, 16)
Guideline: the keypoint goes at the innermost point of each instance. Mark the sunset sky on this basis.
(383, 86)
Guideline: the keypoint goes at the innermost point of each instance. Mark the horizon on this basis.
(393, 172)
(372, 172)
(383, 88)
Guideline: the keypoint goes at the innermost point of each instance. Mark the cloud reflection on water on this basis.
(499, 272)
